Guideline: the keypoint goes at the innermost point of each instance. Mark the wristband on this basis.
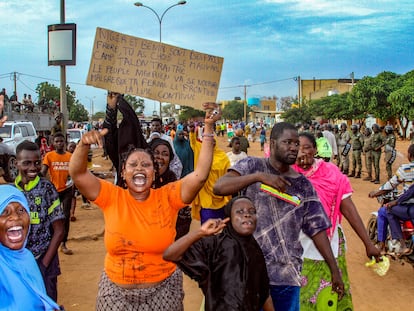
(208, 135)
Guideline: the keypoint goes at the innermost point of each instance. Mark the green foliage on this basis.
(188, 113)
(138, 104)
(334, 107)
(78, 113)
(51, 92)
(168, 110)
(98, 115)
(302, 114)
(402, 101)
(286, 102)
(234, 110)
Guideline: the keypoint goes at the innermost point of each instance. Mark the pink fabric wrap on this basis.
(330, 185)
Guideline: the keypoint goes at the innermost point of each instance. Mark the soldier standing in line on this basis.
(367, 149)
(335, 131)
(389, 149)
(344, 147)
(357, 143)
(377, 143)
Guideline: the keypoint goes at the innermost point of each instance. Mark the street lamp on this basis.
(140, 4)
(91, 103)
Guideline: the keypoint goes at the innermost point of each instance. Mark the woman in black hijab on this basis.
(229, 267)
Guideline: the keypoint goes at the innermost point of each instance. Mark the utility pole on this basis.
(245, 104)
(15, 82)
(63, 98)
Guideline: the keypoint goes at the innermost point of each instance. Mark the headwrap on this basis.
(21, 284)
(184, 152)
(159, 141)
(168, 176)
(118, 141)
(229, 227)
(331, 186)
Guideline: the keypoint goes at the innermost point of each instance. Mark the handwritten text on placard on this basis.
(154, 70)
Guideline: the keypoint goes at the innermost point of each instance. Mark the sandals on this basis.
(66, 250)
(87, 206)
(405, 251)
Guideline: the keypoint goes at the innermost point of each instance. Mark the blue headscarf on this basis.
(21, 284)
(185, 153)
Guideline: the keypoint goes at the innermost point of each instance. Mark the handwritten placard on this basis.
(154, 70)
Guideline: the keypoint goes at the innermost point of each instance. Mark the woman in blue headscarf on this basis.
(21, 284)
(184, 152)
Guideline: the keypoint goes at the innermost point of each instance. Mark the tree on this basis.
(337, 106)
(78, 113)
(98, 115)
(50, 92)
(402, 102)
(301, 115)
(169, 110)
(286, 102)
(370, 95)
(188, 113)
(361, 95)
(138, 104)
(234, 110)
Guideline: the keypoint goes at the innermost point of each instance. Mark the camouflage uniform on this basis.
(344, 139)
(377, 143)
(357, 142)
(367, 149)
(390, 141)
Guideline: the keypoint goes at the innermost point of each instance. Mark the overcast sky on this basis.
(265, 43)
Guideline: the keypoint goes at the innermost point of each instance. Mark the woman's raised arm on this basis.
(193, 182)
(87, 183)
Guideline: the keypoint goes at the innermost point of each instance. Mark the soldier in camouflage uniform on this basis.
(389, 148)
(344, 139)
(367, 149)
(335, 131)
(357, 142)
(377, 143)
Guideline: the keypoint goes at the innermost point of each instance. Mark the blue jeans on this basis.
(397, 213)
(285, 298)
(382, 224)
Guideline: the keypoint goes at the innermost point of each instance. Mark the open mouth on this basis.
(140, 179)
(32, 175)
(15, 234)
(248, 223)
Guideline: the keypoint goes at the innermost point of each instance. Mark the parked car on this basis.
(74, 135)
(8, 163)
(14, 132)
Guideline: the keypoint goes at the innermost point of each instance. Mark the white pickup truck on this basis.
(13, 133)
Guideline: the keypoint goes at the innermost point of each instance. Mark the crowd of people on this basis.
(272, 224)
(28, 105)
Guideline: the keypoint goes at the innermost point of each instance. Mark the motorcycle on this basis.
(392, 247)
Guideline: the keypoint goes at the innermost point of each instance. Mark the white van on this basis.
(74, 135)
(14, 132)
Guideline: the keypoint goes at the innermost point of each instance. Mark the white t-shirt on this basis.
(233, 157)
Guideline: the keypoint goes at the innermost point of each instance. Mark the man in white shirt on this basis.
(327, 133)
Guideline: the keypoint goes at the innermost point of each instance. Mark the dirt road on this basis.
(81, 271)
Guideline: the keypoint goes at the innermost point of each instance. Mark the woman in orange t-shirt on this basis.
(140, 223)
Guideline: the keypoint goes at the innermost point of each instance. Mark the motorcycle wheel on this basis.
(372, 228)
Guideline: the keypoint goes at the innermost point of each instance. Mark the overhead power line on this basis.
(261, 83)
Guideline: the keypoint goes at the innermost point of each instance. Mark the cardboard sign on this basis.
(166, 73)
